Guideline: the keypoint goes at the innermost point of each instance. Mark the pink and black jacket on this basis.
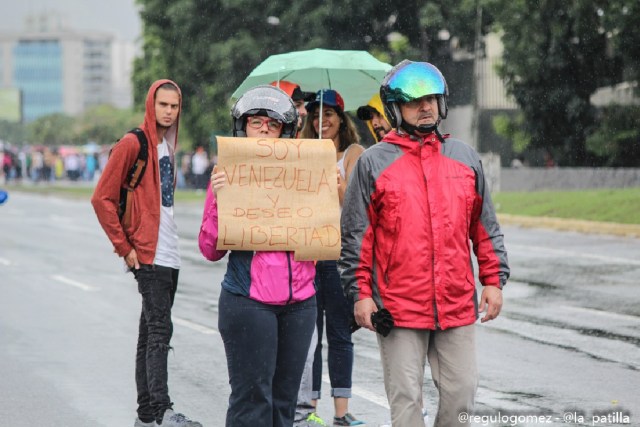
(411, 209)
(269, 277)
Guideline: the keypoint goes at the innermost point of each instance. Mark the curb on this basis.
(591, 227)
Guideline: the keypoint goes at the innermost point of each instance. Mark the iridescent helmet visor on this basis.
(413, 80)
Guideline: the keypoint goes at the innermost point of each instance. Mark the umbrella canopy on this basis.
(355, 74)
(68, 150)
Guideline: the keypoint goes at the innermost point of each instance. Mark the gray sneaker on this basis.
(139, 423)
(174, 419)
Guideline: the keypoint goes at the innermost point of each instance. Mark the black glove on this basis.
(353, 324)
(382, 321)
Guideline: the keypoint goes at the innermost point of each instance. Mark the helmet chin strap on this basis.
(424, 129)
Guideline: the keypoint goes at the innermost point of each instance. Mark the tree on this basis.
(12, 132)
(53, 129)
(617, 140)
(555, 57)
(621, 20)
(209, 46)
(104, 124)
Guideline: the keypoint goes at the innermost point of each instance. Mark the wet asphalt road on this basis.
(567, 343)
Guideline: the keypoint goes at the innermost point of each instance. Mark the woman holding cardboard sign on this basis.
(267, 308)
(332, 304)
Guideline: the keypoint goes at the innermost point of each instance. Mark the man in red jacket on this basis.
(414, 203)
(147, 239)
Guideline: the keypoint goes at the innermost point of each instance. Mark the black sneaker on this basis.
(347, 420)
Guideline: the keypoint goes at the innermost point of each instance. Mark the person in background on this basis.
(415, 202)
(37, 165)
(373, 114)
(148, 242)
(332, 303)
(306, 415)
(298, 96)
(199, 165)
(91, 165)
(267, 308)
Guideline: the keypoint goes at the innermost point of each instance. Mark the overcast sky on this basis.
(119, 17)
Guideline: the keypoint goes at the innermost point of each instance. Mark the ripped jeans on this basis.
(157, 285)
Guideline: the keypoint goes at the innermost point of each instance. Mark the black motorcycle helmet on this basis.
(268, 101)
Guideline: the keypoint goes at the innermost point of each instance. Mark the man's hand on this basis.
(491, 300)
(132, 260)
(362, 310)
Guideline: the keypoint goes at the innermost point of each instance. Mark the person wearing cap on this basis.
(298, 96)
(418, 201)
(331, 301)
(306, 415)
(267, 305)
(375, 118)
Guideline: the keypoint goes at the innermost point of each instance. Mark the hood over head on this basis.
(364, 113)
(149, 124)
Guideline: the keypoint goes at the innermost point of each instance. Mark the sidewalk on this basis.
(627, 230)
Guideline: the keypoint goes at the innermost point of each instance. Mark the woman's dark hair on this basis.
(348, 133)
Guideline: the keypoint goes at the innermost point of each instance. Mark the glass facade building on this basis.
(60, 71)
(38, 72)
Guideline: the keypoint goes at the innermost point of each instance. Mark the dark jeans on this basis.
(336, 308)
(157, 285)
(266, 347)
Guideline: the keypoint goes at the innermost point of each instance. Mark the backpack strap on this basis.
(137, 170)
(133, 177)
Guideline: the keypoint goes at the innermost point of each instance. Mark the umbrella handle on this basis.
(320, 114)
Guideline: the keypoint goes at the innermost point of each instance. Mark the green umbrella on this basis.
(355, 74)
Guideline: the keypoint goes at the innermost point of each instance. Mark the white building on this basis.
(65, 71)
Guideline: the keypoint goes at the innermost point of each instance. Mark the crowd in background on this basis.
(43, 164)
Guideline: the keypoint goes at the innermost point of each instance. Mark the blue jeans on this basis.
(266, 347)
(157, 285)
(336, 308)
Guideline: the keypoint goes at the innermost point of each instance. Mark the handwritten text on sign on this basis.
(280, 194)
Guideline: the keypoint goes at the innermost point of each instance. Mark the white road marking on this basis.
(365, 394)
(574, 254)
(74, 283)
(616, 316)
(4, 261)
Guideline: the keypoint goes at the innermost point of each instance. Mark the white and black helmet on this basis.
(268, 101)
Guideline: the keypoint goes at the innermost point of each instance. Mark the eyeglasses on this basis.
(257, 122)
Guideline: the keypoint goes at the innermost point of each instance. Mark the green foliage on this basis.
(512, 128)
(12, 132)
(610, 205)
(621, 20)
(556, 54)
(209, 47)
(102, 124)
(617, 139)
(53, 129)
(105, 124)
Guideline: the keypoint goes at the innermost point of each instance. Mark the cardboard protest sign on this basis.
(280, 194)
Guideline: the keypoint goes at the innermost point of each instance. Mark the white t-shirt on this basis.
(199, 163)
(167, 253)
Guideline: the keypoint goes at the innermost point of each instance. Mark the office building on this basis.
(59, 70)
